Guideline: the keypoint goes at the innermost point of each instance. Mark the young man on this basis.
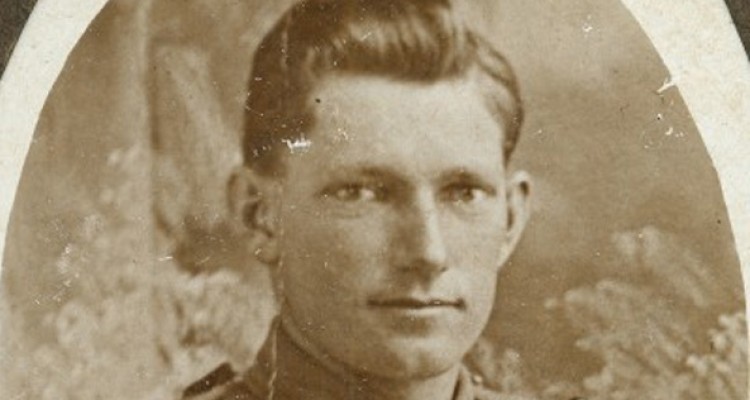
(375, 188)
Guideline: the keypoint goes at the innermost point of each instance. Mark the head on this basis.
(376, 146)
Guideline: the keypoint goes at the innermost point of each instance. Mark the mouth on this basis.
(416, 303)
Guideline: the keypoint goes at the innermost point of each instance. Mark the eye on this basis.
(467, 193)
(356, 192)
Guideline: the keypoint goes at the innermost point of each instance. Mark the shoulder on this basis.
(222, 383)
(486, 394)
(481, 392)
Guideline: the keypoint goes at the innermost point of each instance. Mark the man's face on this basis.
(393, 224)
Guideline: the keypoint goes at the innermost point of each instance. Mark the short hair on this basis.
(404, 40)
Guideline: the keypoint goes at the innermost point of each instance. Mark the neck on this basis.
(298, 367)
(440, 387)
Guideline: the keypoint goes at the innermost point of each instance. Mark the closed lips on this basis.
(410, 302)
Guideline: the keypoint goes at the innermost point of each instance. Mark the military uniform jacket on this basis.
(291, 373)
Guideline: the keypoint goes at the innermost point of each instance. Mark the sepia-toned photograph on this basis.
(369, 199)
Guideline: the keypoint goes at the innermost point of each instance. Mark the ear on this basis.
(518, 194)
(254, 212)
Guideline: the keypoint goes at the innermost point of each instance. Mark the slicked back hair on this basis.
(404, 40)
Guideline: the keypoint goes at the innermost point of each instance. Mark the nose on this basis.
(421, 240)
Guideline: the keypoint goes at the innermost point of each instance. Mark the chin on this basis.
(416, 359)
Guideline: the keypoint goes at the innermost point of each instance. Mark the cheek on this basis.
(476, 254)
(482, 290)
(481, 301)
(332, 257)
(477, 245)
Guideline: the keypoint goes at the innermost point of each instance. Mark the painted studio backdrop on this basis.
(122, 279)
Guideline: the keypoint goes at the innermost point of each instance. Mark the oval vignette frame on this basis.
(686, 60)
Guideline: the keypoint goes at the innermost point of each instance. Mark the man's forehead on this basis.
(361, 89)
(381, 106)
(417, 126)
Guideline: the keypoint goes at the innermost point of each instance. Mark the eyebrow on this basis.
(367, 171)
(465, 174)
(457, 174)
